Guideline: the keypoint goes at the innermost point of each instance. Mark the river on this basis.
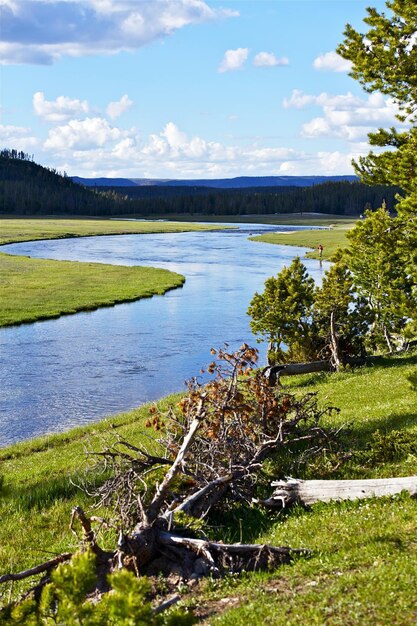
(80, 368)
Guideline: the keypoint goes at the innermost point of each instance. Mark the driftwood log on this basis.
(307, 492)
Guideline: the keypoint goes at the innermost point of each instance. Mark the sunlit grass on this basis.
(363, 557)
(331, 239)
(14, 230)
(35, 289)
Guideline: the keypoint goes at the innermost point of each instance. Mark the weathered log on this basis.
(222, 558)
(308, 492)
(274, 372)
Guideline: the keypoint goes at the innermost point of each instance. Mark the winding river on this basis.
(80, 368)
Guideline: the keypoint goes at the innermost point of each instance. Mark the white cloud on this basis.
(42, 31)
(60, 109)
(83, 135)
(332, 62)
(172, 153)
(298, 100)
(268, 59)
(344, 116)
(116, 109)
(17, 137)
(233, 59)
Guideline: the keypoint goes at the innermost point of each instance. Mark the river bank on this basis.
(331, 239)
(367, 548)
(33, 289)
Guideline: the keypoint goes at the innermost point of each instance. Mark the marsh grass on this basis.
(38, 289)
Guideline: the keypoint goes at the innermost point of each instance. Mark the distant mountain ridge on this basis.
(240, 182)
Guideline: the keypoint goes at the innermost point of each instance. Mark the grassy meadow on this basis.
(25, 229)
(363, 565)
(331, 239)
(36, 289)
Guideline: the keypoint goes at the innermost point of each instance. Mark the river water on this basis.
(80, 368)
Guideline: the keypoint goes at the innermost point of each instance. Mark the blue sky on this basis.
(185, 88)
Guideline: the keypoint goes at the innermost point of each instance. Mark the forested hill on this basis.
(27, 188)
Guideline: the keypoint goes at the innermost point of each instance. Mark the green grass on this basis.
(39, 487)
(296, 219)
(331, 239)
(363, 565)
(32, 289)
(37, 289)
(24, 229)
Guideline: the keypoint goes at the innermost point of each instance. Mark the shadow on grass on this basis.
(382, 362)
(361, 432)
(43, 495)
(242, 524)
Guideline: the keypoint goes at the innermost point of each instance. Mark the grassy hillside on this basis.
(364, 555)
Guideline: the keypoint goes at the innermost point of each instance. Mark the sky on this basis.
(185, 88)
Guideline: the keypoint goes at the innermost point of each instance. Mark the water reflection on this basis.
(77, 369)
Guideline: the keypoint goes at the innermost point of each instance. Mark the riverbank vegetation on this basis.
(37, 289)
(362, 554)
(332, 239)
(26, 229)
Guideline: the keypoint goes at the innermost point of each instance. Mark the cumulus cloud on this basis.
(83, 135)
(17, 137)
(42, 31)
(171, 153)
(344, 116)
(233, 59)
(268, 59)
(116, 109)
(60, 109)
(332, 62)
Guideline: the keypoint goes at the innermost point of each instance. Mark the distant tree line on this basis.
(27, 188)
(342, 198)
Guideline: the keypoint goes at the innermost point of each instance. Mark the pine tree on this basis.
(282, 313)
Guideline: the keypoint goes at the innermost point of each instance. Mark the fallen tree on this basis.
(307, 492)
(273, 373)
(209, 456)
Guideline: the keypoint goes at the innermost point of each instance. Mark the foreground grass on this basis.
(331, 239)
(33, 289)
(364, 555)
